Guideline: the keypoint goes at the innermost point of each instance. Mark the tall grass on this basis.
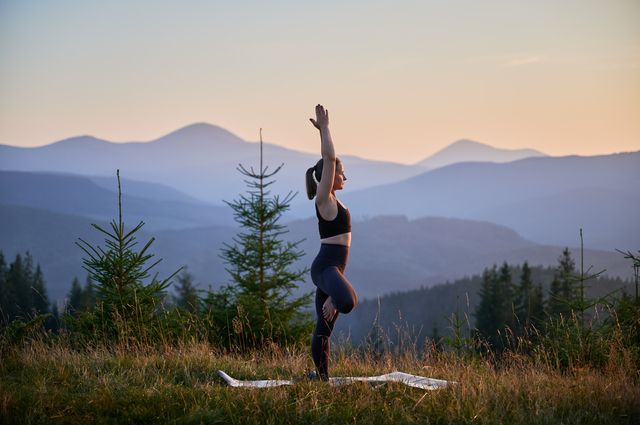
(53, 382)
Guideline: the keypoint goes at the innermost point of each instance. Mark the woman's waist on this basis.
(334, 252)
(343, 239)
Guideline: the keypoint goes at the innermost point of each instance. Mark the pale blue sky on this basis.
(401, 79)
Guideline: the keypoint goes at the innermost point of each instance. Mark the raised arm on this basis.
(326, 204)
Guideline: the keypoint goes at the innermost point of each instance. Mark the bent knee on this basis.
(347, 305)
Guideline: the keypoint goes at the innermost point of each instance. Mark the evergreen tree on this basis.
(506, 298)
(187, 294)
(28, 281)
(22, 289)
(537, 313)
(75, 297)
(88, 294)
(561, 291)
(524, 299)
(126, 308)
(567, 268)
(488, 312)
(555, 306)
(258, 305)
(20, 305)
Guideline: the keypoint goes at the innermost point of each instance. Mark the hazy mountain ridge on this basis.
(532, 189)
(388, 254)
(79, 195)
(200, 160)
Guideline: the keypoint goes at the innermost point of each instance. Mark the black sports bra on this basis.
(339, 225)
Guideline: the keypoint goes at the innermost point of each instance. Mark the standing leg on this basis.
(320, 344)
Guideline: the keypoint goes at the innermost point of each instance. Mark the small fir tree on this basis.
(258, 306)
(126, 309)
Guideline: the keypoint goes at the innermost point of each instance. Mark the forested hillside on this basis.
(418, 311)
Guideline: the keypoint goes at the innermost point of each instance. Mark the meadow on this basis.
(45, 382)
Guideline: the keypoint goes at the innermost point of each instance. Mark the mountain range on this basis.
(199, 160)
(442, 218)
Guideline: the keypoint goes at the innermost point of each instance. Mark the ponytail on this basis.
(311, 185)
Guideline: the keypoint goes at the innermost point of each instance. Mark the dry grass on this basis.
(42, 384)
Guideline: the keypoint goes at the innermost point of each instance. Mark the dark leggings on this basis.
(327, 273)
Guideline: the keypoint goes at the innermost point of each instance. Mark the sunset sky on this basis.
(401, 79)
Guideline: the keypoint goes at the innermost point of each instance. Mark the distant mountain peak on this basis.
(86, 139)
(199, 132)
(466, 150)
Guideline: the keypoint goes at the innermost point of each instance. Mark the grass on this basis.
(51, 383)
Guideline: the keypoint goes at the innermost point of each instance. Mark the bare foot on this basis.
(328, 310)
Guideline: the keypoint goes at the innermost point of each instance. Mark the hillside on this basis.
(388, 253)
(79, 195)
(416, 311)
(546, 200)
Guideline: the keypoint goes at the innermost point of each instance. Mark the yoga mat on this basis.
(404, 378)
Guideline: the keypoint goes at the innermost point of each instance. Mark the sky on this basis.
(401, 79)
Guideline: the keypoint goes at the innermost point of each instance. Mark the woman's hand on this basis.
(322, 118)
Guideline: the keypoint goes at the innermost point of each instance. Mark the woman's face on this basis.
(340, 178)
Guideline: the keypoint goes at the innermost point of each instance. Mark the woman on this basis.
(334, 294)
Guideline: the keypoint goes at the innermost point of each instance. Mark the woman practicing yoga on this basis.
(334, 294)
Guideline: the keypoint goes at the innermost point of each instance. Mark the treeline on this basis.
(509, 295)
(23, 293)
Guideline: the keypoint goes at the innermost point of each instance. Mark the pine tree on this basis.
(567, 268)
(524, 299)
(88, 294)
(18, 287)
(28, 271)
(506, 301)
(126, 308)
(561, 291)
(555, 306)
(488, 312)
(187, 294)
(537, 313)
(75, 297)
(258, 305)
